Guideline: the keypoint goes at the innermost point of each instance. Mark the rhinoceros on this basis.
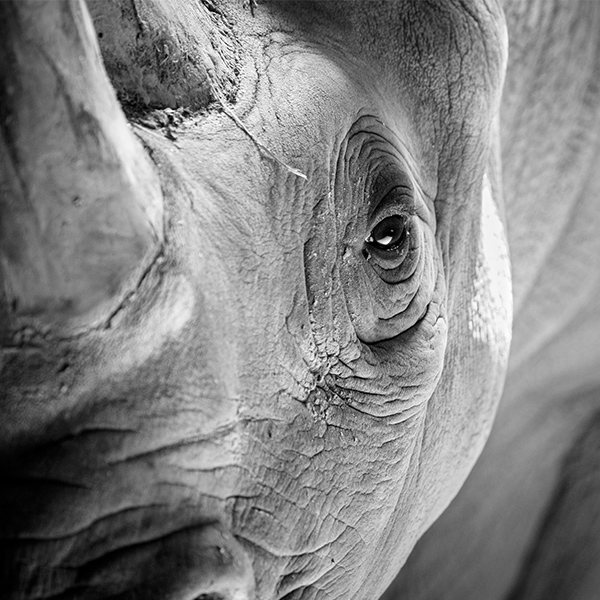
(261, 264)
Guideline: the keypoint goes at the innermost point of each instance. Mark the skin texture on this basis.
(516, 504)
(269, 412)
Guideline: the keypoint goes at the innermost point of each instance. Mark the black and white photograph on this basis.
(299, 299)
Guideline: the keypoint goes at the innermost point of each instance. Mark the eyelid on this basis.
(399, 200)
(411, 203)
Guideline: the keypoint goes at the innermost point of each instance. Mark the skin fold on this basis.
(262, 404)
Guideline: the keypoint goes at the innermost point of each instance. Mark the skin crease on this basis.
(250, 381)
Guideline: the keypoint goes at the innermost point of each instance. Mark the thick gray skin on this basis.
(525, 525)
(265, 417)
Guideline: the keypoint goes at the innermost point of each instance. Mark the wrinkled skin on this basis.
(525, 525)
(274, 412)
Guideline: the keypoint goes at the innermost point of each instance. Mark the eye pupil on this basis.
(388, 233)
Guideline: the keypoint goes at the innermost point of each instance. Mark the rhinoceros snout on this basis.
(203, 562)
(198, 563)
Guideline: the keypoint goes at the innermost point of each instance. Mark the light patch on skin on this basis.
(491, 303)
(172, 311)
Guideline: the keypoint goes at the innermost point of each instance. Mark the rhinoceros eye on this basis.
(388, 234)
(391, 248)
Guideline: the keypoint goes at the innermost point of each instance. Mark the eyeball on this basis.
(388, 234)
(392, 248)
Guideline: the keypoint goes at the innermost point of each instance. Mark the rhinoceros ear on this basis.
(80, 202)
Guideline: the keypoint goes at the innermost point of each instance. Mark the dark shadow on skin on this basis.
(563, 562)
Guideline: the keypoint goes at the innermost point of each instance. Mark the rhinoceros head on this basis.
(251, 351)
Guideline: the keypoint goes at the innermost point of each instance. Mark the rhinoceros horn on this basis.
(80, 202)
